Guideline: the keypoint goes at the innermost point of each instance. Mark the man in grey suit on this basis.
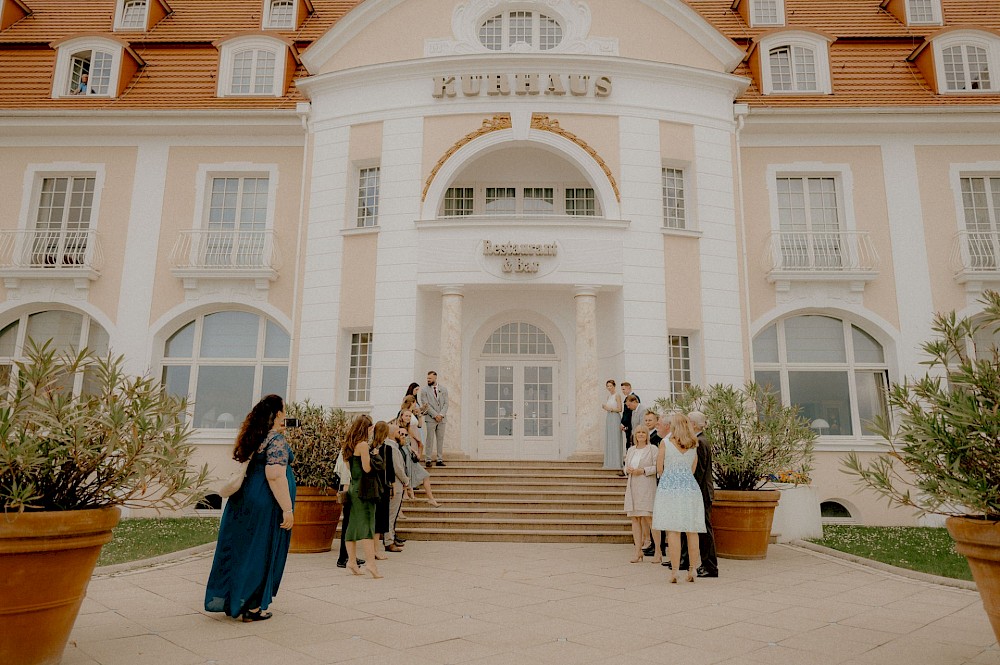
(435, 399)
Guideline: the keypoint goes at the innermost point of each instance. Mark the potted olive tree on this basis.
(944, 441)
(753, 436)
(67, 462)
(315, 443)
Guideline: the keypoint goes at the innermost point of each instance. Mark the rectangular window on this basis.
(282, 14)
(368, 186)
(134, 15)
(359, 381)
(459, 201)
(673, 199)
(501, 200)
(981, 202)
(62, 221)
(809, 224)
(765, 12)
(581, 201)
(680, 364)
(922, 11)
(90, 73)
(539, 200)
(253, 72)
(520, 28)
(237, 221)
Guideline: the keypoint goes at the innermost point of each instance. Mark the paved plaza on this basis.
(522, 604)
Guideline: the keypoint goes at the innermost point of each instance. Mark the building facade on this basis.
(327, 199)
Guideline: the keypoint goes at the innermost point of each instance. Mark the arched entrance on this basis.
(518, 394)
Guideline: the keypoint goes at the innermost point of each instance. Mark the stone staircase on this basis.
(524, 501)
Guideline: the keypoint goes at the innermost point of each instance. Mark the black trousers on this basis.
(706, 545)
(346, 513)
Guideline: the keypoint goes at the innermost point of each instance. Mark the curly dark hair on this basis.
(256, 425)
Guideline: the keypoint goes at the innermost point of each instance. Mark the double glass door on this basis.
(518, 410)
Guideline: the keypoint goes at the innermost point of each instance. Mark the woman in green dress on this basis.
(357, 453)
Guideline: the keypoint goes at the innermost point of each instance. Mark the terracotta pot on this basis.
(978, 540)
(47, 559)
(316, 517)
(742, 522)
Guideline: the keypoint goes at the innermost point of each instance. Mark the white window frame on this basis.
(957, 173)
(536, 13)
(989, 42)
(558, 195)
(687, 174)
(850, 366)
(63, 75)
(360, 222)
(676, 378)
(227, 60)
(268, 23)
(32, 188)
(935, 11)
(120, 17)
(841, 173)
(752, 11)
(208, 172)
(196, 361)
(350, 390)
(819, 45)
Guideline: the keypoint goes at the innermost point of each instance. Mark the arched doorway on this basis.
(518, 394)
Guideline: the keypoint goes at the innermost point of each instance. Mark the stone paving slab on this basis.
(446, 603)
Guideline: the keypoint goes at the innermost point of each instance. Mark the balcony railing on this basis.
(55, 254)
(821, 256)
(225, 254)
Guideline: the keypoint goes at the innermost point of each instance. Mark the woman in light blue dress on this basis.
(678, 507)
(613, 427)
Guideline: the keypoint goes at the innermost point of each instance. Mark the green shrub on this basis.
(316, 443)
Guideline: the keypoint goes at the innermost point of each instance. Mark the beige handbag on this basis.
(235, 481)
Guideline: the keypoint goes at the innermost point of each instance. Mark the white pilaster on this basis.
(451, 364)
(588, 420)
(909, 254)
(722, 336)
(395, 326)
(644, 295)
(133, 337)
(319, 331)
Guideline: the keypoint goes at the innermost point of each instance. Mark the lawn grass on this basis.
(924, 549)
(142, 538)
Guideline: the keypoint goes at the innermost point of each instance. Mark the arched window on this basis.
(794, 62)
(65, 330)
(224, 362)
(253, 66)
(965, 61)
(134, 15)
(833, 371)
(966, 67)
(793, 69)
(513, 339)
(520, 31)
(280, 14)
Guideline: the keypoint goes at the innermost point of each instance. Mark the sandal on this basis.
(256, 615)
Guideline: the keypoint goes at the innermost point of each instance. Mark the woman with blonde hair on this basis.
(357, 452)
(678, 507)
(640, 489)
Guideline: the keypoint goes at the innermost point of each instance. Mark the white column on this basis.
(588, 418)
(722, 323)
(133, 337)
(644, 314)
(909, 255)
(451, 364)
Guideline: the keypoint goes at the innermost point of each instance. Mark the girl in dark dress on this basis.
(381, 433)
(357, 452)
(257, 522)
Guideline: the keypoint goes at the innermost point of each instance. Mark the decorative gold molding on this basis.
(498, 122)
(546, 124)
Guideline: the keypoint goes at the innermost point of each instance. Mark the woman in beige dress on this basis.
(640, 488)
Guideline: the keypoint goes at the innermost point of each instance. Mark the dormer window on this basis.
(139, 14)
(960, 61)
(761, 13)
(281, 14)
(520, 31)
(93, 67)
(255, 66)
(923, 12)
(793, 62)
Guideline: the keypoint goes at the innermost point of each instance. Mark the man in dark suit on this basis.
(628, 418)
(703, 475)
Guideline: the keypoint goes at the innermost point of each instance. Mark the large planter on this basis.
(798, 515)
(316, 517)
(46, 561)
(978, 540)
(742, 522)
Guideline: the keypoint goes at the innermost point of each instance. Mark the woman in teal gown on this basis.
(257, 522)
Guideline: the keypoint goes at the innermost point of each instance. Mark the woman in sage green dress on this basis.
(257, 522)
(357, 453)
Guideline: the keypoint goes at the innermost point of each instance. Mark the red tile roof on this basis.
(868, 58)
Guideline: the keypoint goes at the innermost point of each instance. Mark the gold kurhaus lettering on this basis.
(519, 249)
(524, 83)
